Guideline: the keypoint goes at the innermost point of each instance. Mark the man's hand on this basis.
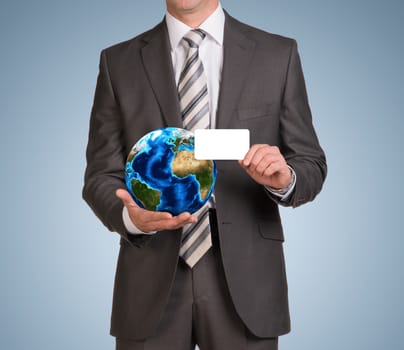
(266, 165)
(147, 220)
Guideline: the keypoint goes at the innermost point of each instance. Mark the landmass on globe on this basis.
(185, 164)
(162, 174)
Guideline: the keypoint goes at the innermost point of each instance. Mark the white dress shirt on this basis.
(210, 52)
(211, 55)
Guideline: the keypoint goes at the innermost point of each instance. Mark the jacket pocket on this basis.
(255, 112)
(271, 230)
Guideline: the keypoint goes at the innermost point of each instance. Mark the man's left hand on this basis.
(267, 166)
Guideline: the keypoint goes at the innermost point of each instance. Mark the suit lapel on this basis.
(237, 55)
(157, 62)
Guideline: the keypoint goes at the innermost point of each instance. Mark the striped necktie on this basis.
(194, 103)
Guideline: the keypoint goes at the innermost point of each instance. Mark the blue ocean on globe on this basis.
(162, 174)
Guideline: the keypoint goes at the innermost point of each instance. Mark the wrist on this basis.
(285, 189)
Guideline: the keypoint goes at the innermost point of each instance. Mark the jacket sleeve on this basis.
(106, 158)
(299, 143)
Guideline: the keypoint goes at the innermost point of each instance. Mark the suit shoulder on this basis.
(264, 38)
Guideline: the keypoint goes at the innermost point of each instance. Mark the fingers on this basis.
(266, 165)
(147, 220)
(150, 216)
(158, 221)
(266, 161)
(173, 223)
(273, 168)
(250, 154)
(260, 157)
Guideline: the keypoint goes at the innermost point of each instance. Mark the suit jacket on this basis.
(263, 90)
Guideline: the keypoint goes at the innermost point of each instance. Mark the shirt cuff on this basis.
(284, 193)
(130, 226)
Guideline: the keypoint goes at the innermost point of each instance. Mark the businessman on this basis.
(215, 278)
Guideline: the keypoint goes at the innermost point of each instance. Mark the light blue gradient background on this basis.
(344, 251)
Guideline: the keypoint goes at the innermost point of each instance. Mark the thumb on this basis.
(125, 197)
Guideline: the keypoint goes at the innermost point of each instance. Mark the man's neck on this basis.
(194, 17)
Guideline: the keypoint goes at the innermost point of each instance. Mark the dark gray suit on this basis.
(263, 90)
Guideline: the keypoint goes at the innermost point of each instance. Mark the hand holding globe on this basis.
(165, 182)
(150, 221)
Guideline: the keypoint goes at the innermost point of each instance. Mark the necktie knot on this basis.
(194, 38)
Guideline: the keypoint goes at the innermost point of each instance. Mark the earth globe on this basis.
(161, 173)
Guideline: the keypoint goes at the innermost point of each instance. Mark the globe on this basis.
(162, 174)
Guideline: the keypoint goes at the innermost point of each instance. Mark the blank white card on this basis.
(221, 144)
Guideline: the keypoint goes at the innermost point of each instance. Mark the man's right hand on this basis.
(149, 221)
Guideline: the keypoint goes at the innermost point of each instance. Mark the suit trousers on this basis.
(200, 312)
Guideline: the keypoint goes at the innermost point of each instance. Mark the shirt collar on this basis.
(213, 26)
